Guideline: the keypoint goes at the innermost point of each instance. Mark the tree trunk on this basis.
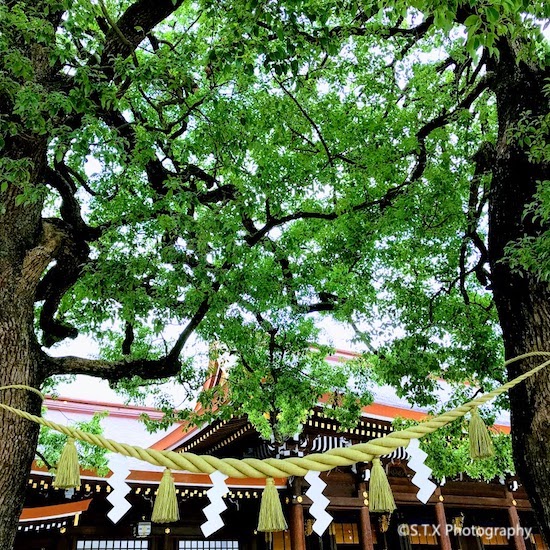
(25, 251)
(18, 438)
(21, 362)
(523, 302)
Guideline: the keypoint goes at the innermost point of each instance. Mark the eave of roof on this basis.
(44, 513)
(87, 407)
(180, 478)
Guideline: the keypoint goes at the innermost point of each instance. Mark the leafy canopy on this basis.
(253, 164)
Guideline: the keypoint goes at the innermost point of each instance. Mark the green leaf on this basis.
(492, 15)
(472, 21)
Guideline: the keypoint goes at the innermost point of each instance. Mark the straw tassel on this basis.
(481, 444)
(68, 470)
(166, 509)
(380, 495)
(271, 512)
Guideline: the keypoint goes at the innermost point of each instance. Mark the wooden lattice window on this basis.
(208, 545)
(112, 545)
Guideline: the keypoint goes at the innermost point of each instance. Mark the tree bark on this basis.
(26, 248)
(21, 362)
(18, 438)
(522, 301)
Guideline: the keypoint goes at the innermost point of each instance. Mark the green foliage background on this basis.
(256, 165)
(91, 457)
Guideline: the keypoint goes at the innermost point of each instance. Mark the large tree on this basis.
(234, 167)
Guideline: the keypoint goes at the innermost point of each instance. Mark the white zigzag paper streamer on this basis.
(421, 478)
(319, 502)
(118, 465)
(217, 505)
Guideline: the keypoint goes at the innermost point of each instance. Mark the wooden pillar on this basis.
(513, 516)
(296, 517)
(365, 527)
(297, 530)
(444, 539)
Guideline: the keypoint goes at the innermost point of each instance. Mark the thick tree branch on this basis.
(70, 207)
(70, 256)
(148, 369)
(54, 235)
(258, 235)
(484, 160)
(129, 337)
(70, 260)
(417, 32)
(116, 370)
(132, 27)
(420, 30)
(118, 32)
(158, 174)
(68, 173)
(463, 272)
(321, 306)
(56, 283)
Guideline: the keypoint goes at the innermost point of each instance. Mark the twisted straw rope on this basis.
(275, 467)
